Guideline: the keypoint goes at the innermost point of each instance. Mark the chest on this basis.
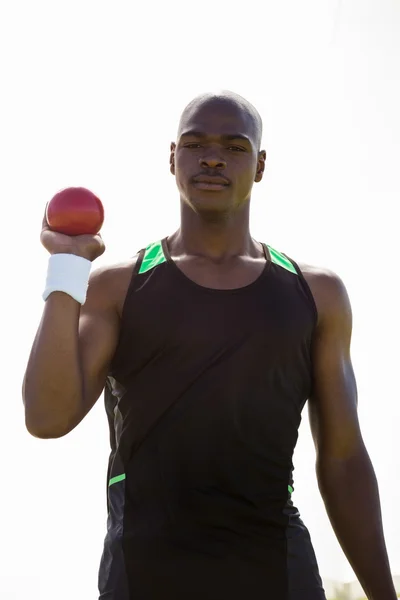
(179, 323)
(227, 275)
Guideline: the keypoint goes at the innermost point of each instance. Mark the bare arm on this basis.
(345, 474)
(69, 359)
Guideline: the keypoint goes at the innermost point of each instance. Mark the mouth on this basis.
(210, 183)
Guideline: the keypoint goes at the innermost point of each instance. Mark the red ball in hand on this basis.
(75, 211)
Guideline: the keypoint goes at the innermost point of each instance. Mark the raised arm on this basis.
(74, 343)
(345, 474)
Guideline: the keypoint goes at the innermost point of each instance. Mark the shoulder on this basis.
(108, 284)
(329, 292)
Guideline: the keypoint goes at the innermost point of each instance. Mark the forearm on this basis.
(53, 384)
(350, 491)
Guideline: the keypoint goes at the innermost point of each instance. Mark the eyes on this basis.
(194, 146)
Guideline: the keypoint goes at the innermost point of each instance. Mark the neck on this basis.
(216, 237)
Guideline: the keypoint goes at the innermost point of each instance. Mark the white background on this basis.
(91, 93)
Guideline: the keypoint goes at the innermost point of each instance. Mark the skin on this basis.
(213, 245)
(214, 248)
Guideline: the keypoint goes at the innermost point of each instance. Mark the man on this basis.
(208, 344)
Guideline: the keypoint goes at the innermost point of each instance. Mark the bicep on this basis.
(333, 404)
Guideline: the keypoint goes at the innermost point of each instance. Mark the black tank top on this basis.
(204, 399)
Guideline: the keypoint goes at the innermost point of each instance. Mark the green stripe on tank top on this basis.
(119, 478)
(281, 260)
(116, 479)
(153, 256)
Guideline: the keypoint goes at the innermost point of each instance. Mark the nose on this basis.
(212, 162)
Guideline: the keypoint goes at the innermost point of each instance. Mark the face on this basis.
(215, 159)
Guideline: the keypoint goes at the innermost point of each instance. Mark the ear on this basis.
(172, 158)
(262, 156)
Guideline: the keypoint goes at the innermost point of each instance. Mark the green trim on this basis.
(119, 478)
(279, 259)
(116, 479)
(153, 256)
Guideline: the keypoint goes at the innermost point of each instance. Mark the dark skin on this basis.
(213, 245)
(214, 248)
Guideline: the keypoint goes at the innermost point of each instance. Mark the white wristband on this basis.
(68, 273)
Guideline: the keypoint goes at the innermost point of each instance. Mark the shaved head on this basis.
(230, 99)
(219, 136)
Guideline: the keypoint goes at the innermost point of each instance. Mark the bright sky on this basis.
(91, 95)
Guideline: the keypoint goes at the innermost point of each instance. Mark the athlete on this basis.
(208, 344)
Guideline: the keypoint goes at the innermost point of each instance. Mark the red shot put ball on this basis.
(75, 211)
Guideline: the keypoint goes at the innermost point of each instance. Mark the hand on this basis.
(87, 246)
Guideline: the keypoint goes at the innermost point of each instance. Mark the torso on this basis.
(205, 395)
